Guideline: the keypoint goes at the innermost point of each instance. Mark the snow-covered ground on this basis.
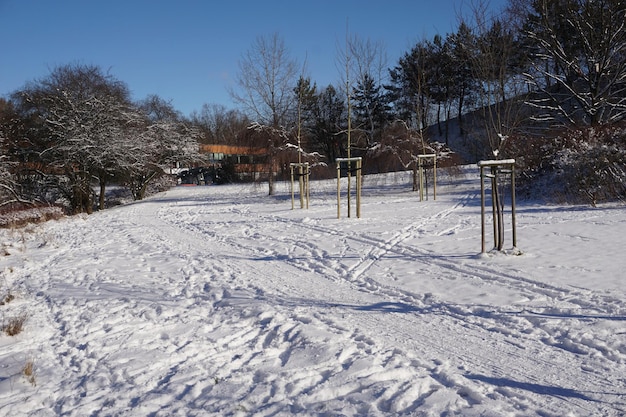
(222, 301)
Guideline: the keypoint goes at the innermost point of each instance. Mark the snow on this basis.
(220, 300)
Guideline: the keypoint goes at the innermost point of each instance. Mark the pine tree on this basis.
(325, 118)
(371, 111)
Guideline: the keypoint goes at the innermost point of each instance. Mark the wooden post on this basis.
(494, 165)
(420, 171)
(358, 188)
(339, 189)
(308, 184)
(303, 181)
(291, 166)
(421, 174)
(359, 167)
(513, 205)
(435, 178)
(482, 208)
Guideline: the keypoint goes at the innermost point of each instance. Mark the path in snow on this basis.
(219, 300)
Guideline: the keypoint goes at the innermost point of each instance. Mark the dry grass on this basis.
(29, 372)
(7, 299)
(19, 218)
(14, 325)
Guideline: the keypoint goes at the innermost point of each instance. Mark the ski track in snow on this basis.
(226, 306)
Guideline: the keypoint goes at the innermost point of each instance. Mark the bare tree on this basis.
(404, 145)
(412, 91)
(578, 48)
(267, 77)
(362, 64)
(324, 116)
(78, 127)
(7, 192)
(369, 59)
(220, 125)
(496, 66)
(161, 140)
(77, 113)
(369, 69)
(8, 188)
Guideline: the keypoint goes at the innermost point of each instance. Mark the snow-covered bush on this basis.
(578, 166)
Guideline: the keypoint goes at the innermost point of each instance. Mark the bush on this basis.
(29, 372)
(578, 166)
(14, 325)
(6, 299)
(21, 217)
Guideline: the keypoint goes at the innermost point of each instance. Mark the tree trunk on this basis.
(270, 178)
(81, 197)
(101, 197)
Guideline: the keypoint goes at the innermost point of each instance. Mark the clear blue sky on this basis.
(187, 51)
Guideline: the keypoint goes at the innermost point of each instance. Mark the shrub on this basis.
(21, 217)
(29, 372)
(14, 325)
(577, 166)
(6, 299)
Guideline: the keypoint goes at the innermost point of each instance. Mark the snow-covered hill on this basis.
(219, 300)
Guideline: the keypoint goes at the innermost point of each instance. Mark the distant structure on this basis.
(248, 163)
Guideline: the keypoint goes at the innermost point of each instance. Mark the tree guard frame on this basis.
(498, 226)
(348, 162)
(420, 170)
(303, 179)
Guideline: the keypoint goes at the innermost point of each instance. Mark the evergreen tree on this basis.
(462, 48)
(324, 121)
(306, 97)
(371, 111)
(441, 79)
(408, 90)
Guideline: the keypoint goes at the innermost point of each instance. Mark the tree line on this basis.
(542, 81)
